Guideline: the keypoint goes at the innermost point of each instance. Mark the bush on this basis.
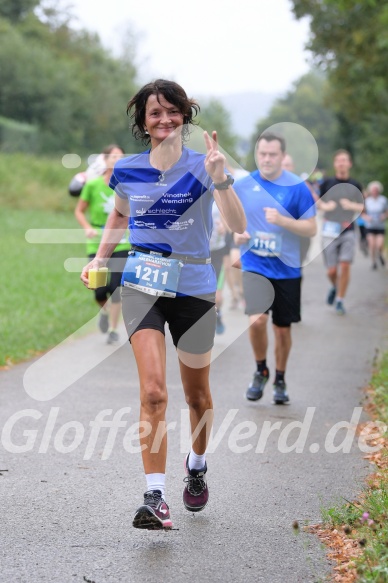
(18, 137)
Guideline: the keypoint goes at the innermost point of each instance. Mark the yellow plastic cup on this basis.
(98, 277)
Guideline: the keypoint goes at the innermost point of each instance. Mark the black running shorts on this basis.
(283, 302)
(191, 320)
(115, 265)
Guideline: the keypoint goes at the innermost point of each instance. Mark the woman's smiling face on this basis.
(161, 118)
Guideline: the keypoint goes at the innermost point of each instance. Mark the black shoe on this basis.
(331, 296)
(220, 327)
(382, 260)
(256, 388)
(280, 393)
(154, 514)
(103, 322)
(374, 266)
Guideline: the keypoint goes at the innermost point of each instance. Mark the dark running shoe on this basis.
(103, 322)
(339, 308)
(220, 326)
(364, 247)
(154, 514)
(382, 260)
(331, 296)
(196, 493)
(280, 393)
(113, 337)
(256, 388)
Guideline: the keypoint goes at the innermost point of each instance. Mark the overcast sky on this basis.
(210, 47)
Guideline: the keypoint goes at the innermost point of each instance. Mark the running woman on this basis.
(93, 208)
(167, 192)
(376, 213)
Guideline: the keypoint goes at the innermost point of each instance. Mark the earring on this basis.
(146, 132)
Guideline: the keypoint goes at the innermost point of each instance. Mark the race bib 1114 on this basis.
(266, 244)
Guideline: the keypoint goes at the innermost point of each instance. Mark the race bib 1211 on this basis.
(152, 274)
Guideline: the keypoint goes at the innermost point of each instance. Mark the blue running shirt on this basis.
(170, 211)
(291, 198)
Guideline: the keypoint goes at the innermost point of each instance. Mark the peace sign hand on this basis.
(215, 160)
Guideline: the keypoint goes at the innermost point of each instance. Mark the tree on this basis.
(349, 39)
(16, 10)
(214, 116)
(65, 83)
(302, 109)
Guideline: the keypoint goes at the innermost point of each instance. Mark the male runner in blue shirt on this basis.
(279, 210)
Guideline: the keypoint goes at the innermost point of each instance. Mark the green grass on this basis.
(29, 182)
(379, 385)
(343, 514)
(366, 520)
(41, 303)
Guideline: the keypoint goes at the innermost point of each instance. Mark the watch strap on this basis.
(224, 185)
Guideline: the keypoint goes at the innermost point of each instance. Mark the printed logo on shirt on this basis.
(109, 203)
(178, 225)
(142, 224)
(153, 211)
(139, 197)
(279, 196)
(177, 197)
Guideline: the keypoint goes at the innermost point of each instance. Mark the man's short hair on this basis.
(342, 151)
(270, 137)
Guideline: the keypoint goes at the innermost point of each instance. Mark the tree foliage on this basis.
(349, 39)
(68, 87)
(64, 82)
(301, 109)
(214, 116)
(16, 10)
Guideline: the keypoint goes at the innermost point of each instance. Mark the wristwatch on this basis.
(224, 185)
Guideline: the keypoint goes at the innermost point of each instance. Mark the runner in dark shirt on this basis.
(341, 200)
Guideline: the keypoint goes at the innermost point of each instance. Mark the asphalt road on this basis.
(69, 491)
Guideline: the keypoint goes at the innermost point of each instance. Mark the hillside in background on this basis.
(246, 109)
(71, 111)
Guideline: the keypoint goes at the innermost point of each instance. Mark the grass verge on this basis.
(31, 182)
(41, 303)
(356, 533)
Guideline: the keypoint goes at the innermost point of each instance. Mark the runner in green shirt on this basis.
(94, 206)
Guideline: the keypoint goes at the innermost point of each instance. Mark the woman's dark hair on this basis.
(173, 93)
(108, 149)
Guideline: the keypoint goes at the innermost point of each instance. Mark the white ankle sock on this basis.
(156, 482)
(196, 462)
